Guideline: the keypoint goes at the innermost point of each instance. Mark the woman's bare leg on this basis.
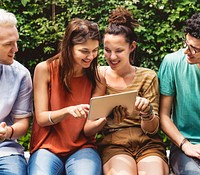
(120, 164)
(152, 165)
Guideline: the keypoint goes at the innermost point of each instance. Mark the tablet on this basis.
(102, 106)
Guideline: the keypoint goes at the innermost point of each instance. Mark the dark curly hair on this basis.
(193, 26)
(121, 22)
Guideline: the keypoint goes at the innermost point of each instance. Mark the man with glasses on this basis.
(179, 76)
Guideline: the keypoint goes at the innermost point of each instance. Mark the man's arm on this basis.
(20, 127)
(166, 123)
(171, 130)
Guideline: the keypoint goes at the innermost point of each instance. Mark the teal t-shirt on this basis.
(180, 79)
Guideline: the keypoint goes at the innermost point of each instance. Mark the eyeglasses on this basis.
(193, 50)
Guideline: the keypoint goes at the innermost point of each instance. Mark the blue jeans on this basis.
(181, 164)
(13, 165)
(85, 161)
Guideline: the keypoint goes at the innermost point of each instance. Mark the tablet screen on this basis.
(102, 106)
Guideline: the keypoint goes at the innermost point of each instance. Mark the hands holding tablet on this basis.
(119, 113)
(102, 106)
(142, 105)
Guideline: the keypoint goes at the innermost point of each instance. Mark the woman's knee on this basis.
(84, 161)
(45, 162)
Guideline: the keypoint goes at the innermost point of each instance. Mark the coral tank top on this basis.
(65, 137)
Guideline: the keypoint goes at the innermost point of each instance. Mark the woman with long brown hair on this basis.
(62, 90)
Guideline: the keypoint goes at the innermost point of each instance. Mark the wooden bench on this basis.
(27, 155)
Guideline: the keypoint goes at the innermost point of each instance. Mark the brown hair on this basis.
(121, 22)
(77, 31)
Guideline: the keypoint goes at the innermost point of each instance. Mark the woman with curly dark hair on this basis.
(179, 76)
(131, 144)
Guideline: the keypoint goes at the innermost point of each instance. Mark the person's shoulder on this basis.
(144, 70)
(103, 68)
(146, 73)
(42, 66)
(19, 66)
(175, 57)
(102, 72)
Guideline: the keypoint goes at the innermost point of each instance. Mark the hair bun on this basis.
(121, 16)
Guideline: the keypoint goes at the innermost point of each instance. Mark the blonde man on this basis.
(15, 98)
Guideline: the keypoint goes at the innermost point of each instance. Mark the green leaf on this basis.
(24, 2)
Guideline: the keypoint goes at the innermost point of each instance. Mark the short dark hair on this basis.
(193, 26)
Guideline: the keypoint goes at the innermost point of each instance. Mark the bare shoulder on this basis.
(42, 66)
(103, 68)
(42, 70)
(102, 71)
(101, 86)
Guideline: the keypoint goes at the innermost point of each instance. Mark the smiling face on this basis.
(8, 44)
(117, 51)
(84, 54)
(192, 50)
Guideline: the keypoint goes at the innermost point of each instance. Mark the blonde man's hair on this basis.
(7, 18)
